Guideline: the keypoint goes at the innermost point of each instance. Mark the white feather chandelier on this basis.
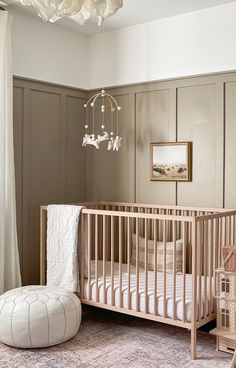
(78, 10)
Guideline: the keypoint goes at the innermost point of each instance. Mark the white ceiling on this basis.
(133, 12)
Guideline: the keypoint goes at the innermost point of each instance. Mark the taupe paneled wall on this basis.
(50, 162)
(198, 109)
(154, 123)
(52, 167)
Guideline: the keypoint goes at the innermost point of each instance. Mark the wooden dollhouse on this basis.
(226, 305)
(226, 300)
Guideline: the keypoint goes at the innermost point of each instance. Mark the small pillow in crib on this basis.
(160, 254)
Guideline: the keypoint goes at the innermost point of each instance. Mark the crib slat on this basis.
(234, 240)
(96, 256)
(184, 271)
(125, 236)
(232, 227)
(120, 262)
(174, 269)
(199, 252)
(205, 254)
(137, 264)
(215, 237)
(164, 269)
(190, 251)
(211, 264)
(223, 232)
(112, 260)
(220, 241)
(155, 266)
(228, 229)
(104, 257)
(89, 255)
(194, 226)
(128, 259)
(146, 264)
(82, 255)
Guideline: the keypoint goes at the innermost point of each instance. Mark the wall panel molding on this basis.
(214, 179)
(155, 122)
(18, 112)
(200, 121)
(230, 144)
(48, 123)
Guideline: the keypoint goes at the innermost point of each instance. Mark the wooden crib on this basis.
(151, 261)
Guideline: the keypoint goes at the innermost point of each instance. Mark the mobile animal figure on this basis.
(85, 140)
(110, 144)
(103, 137)
(114, 144)
(117, 143)
(90, 139)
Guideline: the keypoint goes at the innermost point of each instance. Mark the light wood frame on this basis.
(188, 160)
(204, 232)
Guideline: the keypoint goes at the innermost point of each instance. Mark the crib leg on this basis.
(233, 363)
(193, 343)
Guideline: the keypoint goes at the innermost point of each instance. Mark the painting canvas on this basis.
(171, 161)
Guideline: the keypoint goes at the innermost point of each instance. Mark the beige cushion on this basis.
(160, 254)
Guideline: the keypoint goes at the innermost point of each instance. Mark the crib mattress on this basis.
(150, 292)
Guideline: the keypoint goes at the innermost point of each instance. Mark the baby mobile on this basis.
(105, 103)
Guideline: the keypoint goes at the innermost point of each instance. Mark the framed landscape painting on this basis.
(171, 161)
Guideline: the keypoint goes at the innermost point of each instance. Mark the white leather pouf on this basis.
(38, 316)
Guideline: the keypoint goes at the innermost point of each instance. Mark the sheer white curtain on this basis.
(9, 257)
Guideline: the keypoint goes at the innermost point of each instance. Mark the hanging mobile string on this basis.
(103, 63)
(104, 101)
(92, 104)
(86, 118)
(117, 123)
(112, 111)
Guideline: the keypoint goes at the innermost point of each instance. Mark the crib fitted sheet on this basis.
(150, 292)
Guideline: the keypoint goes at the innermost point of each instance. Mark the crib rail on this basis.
(164, 209)
(155, 262)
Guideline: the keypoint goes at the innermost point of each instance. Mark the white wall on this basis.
(188, 44)
(48, 52)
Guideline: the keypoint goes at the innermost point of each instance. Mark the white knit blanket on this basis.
(62, 246)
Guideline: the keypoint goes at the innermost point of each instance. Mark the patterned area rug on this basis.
(112, 340)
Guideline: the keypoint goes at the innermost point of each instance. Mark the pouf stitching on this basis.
(30, 337)
(48, 322)
(11, 323)
(51, 294)
(76, 321)
(64, 318)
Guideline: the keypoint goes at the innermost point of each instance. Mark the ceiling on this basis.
(133, 12)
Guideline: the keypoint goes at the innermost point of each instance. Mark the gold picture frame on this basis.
(171, 161)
